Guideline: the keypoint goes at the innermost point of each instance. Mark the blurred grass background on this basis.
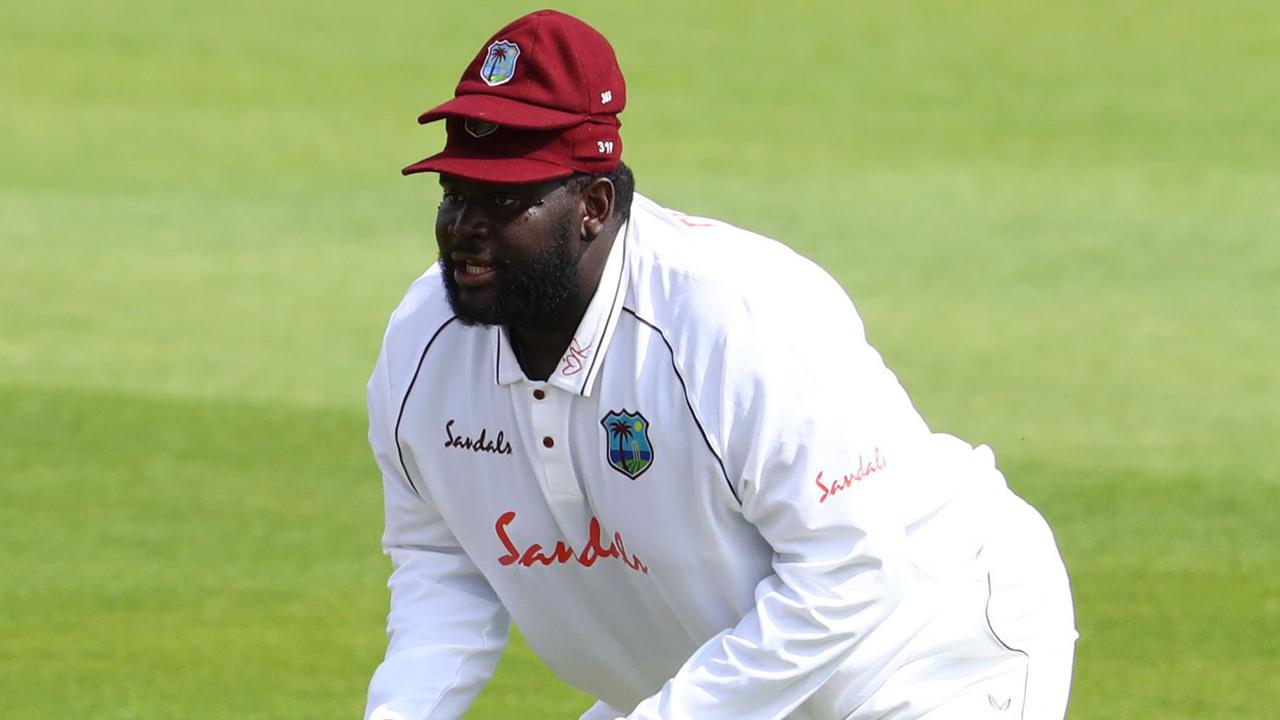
(1060, 221)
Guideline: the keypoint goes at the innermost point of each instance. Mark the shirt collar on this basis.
(581, 363)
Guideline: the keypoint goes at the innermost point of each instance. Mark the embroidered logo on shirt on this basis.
(498, 445)
(628, 449)
(864, 469)
(500, 64)
(563, 553)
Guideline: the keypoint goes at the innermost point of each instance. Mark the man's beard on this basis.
(535, 293)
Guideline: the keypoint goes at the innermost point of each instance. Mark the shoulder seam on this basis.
(405, 401)
(688, 400)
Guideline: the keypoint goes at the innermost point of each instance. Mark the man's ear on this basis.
(597, 207)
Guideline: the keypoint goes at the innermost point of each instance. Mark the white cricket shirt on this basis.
(721, 505)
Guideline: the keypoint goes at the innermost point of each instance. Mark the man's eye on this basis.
(505, 201)
(449, 198)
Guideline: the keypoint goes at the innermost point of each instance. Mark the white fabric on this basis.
(1014, 662)
(601, 711)
(792, 545)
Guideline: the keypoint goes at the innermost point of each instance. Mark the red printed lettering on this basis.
(864, 470)
(534, 554)
(575, 358)
(691, 221)
(501, 526)
(563, 552)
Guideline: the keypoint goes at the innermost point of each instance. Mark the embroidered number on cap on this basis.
(605, 146)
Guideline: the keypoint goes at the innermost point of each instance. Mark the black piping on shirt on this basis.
(405, 401)
(687, 400)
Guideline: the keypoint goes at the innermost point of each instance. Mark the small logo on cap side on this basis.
(606, 97)
(478, 128)
(500, 64)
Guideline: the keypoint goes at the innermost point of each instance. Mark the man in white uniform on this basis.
(662, 445)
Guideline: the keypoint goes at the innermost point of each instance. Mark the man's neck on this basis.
(539, 347)
(539, 351)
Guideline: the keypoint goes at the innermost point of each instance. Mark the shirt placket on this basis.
(549, 411)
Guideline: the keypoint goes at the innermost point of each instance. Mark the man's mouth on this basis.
(469, 273)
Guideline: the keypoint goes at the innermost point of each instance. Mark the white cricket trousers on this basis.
(1004, 649)
(1014, 663)
(1029, 612)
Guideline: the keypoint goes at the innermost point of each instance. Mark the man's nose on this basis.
(469, 220)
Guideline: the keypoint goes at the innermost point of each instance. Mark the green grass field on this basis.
(1061, 223)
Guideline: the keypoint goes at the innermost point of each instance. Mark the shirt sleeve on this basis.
(811, 426)
(446, 629)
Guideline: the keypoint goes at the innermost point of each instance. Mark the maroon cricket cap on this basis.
(539, 101)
